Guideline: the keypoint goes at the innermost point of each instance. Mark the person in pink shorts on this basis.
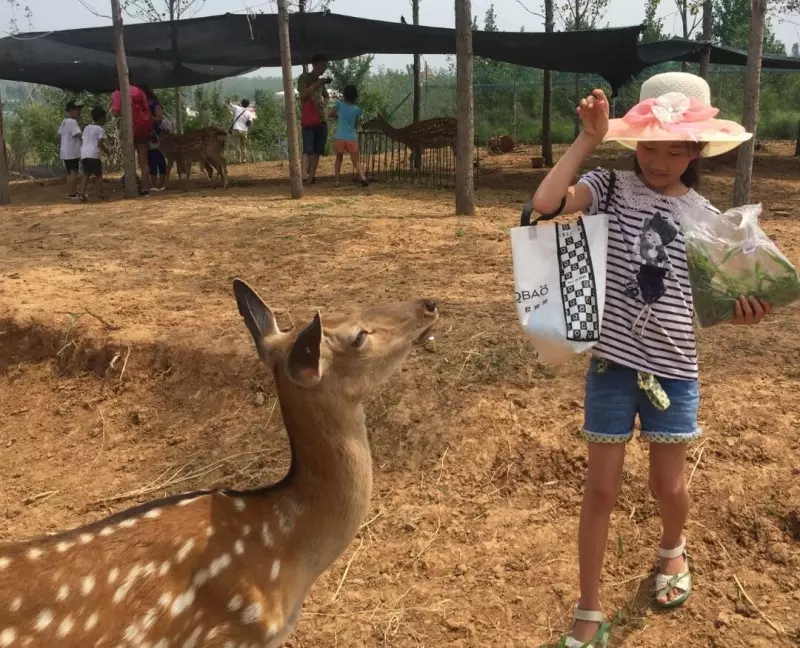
(347, 113)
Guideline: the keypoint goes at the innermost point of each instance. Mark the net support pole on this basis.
(128, 152)
(5, 191)
(465, 129)
(295, 178)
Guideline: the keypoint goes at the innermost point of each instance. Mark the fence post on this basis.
(797, 141)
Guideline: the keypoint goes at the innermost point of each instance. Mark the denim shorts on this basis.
(315, 138)
(613, 399)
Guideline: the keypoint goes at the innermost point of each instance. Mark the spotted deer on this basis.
(426, 134)
(226, 568)
(204, 145)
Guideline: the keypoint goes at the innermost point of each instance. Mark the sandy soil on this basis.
(126, 374)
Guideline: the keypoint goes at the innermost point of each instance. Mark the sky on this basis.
(510, 15)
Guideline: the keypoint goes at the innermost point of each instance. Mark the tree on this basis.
(5, 195)
(653, 25)
(465, 132)
(295, 179)
(731, 27)
(688, 10)
(752, 81)
(128, 154)
(705, 59)
(547, 95)
(417, 105)
(171, 10)
(577, 15)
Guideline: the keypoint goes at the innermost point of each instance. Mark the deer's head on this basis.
(348, 356)
(376, 122)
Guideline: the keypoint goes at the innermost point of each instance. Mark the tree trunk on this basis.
(705, 59)
(417, 84)
(5, 192)
(684, 11)
(547, 97)
(295, 179)
(465, 133)
(128, 152)
(301, 8)
(752, 82)
(178, 112)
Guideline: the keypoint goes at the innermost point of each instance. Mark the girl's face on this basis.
(663, 163)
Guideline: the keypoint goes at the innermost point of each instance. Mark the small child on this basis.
(346, 138)
(93, 143)
(69, 134)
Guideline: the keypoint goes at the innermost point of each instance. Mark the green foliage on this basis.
(731, 27)
(653, 25)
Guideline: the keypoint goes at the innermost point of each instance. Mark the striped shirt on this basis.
(645, 244)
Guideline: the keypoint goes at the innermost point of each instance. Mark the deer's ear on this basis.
(303, 363)
(258, 317)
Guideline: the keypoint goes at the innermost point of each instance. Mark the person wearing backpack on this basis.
(142, 128)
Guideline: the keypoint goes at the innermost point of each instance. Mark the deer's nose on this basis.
(430, 305)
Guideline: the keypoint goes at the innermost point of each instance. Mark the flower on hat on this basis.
(669, 110)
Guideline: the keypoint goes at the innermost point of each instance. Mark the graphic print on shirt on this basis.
(658, 231)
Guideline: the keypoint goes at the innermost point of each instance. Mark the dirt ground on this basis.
(126, 373)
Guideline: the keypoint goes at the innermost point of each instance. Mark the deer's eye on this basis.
(360, 339)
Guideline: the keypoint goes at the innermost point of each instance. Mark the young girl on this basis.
(345, 138)
(646, 360)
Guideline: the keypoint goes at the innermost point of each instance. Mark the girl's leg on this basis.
(668, 485)
(84, 184)
(603, 481)
(337, 166)
(357, 165)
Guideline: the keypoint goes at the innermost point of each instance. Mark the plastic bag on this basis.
(729, 255)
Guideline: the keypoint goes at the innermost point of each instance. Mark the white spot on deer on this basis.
(4, 562)
(218, 564)
(127, 524)
(266, 535)
(62, 547)
(184, 550)
(235, 603)
(106, 531)
(127, 584)
(209, 531)
(91, 622)
(65, 627)
(63, 592)
(34, 553)
(86, 538)
(275, 570)
(150, 569)
(152, 514)
(272, 629)
(87, 584)
(149, 619)
(239, 504)
(43, 619)
(112, 575)
(285, 524)
(246, 530)
(7, 637)
(182, 602)
(161, 643)
(200, 578)
(191, 641)
(165, 599)
(186, 502)
(16, 604)
(238, 547)
(229, 644)
(213, 632)
(252, 613)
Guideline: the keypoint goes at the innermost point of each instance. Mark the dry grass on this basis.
(478, 464)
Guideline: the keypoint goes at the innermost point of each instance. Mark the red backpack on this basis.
(142, 119)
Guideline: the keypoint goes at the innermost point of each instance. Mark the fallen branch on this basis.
(777, 628)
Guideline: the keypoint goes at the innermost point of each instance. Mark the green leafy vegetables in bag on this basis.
(729, 255)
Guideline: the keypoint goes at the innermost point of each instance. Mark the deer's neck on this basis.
(331, 475)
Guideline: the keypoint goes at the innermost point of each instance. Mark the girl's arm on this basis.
(557, 184)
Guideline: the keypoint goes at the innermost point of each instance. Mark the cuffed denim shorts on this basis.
(613, 399)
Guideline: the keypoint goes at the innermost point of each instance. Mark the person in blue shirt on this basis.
(345, 140)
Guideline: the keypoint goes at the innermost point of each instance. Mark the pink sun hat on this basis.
(676, 106)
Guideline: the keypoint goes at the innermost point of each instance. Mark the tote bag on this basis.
(560, 281)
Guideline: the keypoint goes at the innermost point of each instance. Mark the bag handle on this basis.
(527, 210)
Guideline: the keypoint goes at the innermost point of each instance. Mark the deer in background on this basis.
(204, 145)
(225, 568)
(426, 134)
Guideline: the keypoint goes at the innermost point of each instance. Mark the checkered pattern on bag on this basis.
(578, 287)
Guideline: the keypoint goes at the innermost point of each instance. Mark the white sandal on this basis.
(665, 583)
(600, 639)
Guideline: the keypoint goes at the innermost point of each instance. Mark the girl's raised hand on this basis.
(593, 111)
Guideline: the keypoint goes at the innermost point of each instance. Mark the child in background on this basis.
(645, 362)
(346, 138)
(93, 143)
(69, 134)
